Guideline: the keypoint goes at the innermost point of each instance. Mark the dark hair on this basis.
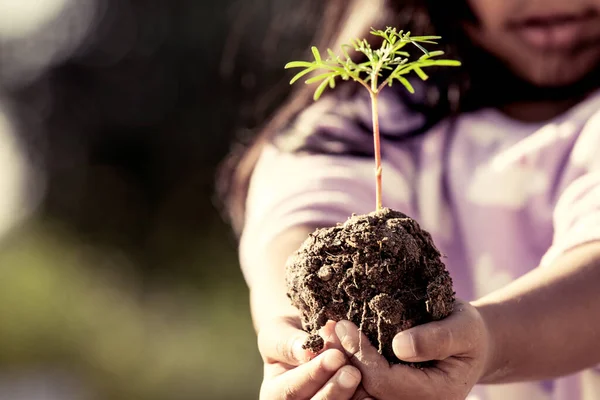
(453, 88)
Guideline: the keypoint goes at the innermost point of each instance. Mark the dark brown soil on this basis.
(380, 271)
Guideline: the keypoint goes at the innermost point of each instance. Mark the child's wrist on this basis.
(492, 358)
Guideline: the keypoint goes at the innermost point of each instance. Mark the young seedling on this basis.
(382, 68)
(380, 270)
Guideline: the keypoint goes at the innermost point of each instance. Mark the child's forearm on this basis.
(268, 297)
(547, 323)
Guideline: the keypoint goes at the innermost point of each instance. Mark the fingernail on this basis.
(333, 360)
(404, 346)
(348, 380)
(299, 352)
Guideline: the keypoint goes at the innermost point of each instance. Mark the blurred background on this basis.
(118, 276)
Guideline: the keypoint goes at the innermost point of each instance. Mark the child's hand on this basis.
(460, 342)
(290, 373)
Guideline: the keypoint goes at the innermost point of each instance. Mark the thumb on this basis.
(437, 340)
(423, 343)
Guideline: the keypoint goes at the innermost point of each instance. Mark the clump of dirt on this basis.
(381, 271)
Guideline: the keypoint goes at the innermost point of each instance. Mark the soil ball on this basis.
(381, 271)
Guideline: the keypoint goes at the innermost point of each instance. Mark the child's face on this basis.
(547, 42)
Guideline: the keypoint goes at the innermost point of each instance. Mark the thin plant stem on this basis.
(388, 57)
(377, 146)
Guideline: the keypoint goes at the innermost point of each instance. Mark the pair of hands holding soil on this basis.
(350, 368)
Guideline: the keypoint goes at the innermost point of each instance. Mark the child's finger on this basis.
(341, 386)
(378, 378)
(358, 348)
(361, 394)
(304, 381)
(281, 342)
(329, 336)
(439, 340)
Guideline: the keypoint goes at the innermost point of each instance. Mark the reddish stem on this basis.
(377, 145)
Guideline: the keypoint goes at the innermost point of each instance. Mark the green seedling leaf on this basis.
(406, 83)
(448, 63)
(318, 78)
(431, 54)
(320, 89)
(345, 51)
(425, 38)
(388, 58)
(301, 74)
(298, 64)
(420, 72)
(316, 53)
